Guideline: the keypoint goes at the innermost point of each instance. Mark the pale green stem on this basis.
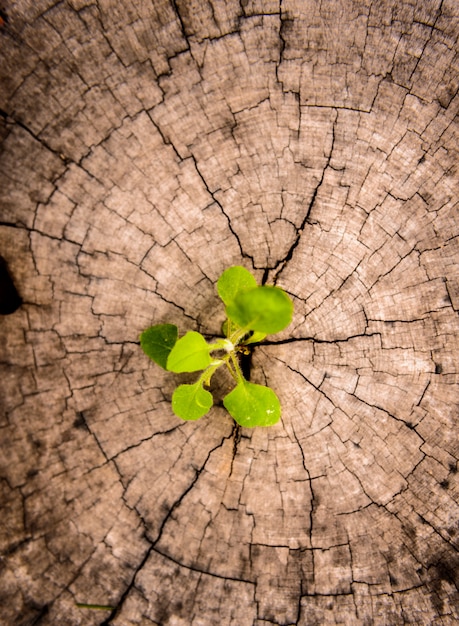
(230, 367)
(230, 357)
(239, 334)
(205, 377)
(234, 362)
(221, 344)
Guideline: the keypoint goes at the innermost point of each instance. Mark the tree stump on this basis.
(146, 147)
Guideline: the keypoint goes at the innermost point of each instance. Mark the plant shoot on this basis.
(252, 313)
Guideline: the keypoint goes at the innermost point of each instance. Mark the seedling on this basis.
(252, 313)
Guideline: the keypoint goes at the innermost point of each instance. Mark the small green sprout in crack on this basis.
(252, 312)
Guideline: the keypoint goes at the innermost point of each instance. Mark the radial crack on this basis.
(281, 264)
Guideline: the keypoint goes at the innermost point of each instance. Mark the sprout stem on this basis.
(205, 377)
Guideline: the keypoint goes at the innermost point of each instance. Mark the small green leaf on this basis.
(190, 402)
(229, 327)
(233, 281)
(265, 309)
(190, 353)
(254, 338)
(253, 405)
(158, 341)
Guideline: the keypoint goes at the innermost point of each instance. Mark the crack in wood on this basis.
(145, 148)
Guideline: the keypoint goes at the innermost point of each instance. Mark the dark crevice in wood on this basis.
(10, 300)
(281, 264)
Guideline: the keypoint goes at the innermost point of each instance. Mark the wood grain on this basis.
(145, 148)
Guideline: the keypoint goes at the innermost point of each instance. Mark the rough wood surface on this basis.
(147, 146)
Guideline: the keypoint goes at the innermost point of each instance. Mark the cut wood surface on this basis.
(148, 146)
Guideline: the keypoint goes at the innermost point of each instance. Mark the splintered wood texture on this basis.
(147, 146)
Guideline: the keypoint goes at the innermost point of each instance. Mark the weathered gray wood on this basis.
(147, 146)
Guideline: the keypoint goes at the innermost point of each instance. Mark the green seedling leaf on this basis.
(158, 341)
(254, 338)
(253, 405)
(264, 309)
(190, 353)
(233, 281)
(190, 402)
(229, 327)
